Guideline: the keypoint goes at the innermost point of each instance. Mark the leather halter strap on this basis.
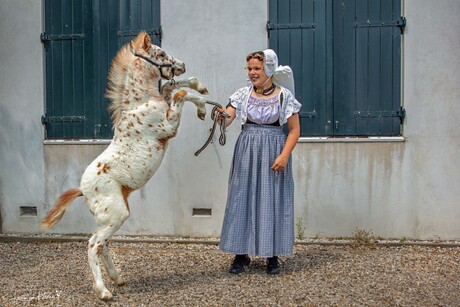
(215, 114)
(159, 66)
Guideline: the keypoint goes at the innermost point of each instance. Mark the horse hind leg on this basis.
(110, 266)
(110, 217)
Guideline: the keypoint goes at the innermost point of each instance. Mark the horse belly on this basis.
(131, 165)
(138, 170)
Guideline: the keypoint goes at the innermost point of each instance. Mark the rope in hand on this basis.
(215, 116)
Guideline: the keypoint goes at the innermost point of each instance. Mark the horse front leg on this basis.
(192, 83)
(180, 97)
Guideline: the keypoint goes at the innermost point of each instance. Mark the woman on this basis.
(259, 217)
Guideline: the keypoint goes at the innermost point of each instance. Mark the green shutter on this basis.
(300, 32)
(80, 40)
(346, 58)
(67, 44)
(367, 67)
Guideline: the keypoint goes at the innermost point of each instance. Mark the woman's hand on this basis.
(219, 115)
(228, 113)
(292, 138)
(280, 163)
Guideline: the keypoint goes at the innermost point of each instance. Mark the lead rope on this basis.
(224, 117)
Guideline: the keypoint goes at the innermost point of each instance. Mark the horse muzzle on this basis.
(178, 68)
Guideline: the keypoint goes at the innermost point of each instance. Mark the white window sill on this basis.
(78, 142)
(320, 139)
(351, 139)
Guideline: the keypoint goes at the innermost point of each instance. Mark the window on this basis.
(346, 58)
(81, 37)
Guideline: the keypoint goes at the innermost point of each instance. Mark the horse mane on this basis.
(116, 84)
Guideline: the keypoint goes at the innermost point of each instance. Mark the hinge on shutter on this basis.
(49, 37)
(401, 114)
(288, 26)
(158, 32)
(311, 114)
(400, 23)
(61, 119)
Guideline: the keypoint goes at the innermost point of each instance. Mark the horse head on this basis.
(167, 66)
(135, 72)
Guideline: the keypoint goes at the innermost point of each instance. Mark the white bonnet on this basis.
(281, 75)
(270, 62)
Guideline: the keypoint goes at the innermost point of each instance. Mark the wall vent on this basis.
(202, 212)
(28, 211)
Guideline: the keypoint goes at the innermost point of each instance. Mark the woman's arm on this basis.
(293, 125)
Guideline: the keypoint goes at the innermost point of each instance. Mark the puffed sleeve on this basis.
(290, 106)
(238, 100)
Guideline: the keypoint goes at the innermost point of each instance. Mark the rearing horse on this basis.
(143, 122)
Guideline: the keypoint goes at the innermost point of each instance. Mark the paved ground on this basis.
(48, 273)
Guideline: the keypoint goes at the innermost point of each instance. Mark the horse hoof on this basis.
(121, 283)
(103, 293)
(201, 115)
(198, 86)
(106, 296)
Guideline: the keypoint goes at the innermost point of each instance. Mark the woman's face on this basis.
(256, 72)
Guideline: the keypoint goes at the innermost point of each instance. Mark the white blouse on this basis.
(239, 100)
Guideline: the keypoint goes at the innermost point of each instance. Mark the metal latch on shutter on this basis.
(400, 23)
(59, 37)
(401, 113)
(62, 119)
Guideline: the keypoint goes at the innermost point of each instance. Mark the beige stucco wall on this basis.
(394, 189)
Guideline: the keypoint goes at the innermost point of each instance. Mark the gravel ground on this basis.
(50, 273)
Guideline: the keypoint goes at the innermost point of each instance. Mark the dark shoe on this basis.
(238, 264)
(273, 265)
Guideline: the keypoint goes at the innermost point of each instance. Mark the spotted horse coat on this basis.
(144, 121)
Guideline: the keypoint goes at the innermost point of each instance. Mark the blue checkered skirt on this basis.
(259, 217)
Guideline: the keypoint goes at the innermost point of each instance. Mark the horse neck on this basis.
(140, 86)
(131, 86)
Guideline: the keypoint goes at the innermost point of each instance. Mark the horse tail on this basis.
(63, 202)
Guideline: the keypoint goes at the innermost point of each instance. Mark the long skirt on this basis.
(259, 216)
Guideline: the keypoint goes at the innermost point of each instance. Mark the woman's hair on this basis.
(259, 55)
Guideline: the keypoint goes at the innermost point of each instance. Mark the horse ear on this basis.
(147, 42)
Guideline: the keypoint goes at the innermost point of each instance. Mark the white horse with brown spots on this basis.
(143, 122)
